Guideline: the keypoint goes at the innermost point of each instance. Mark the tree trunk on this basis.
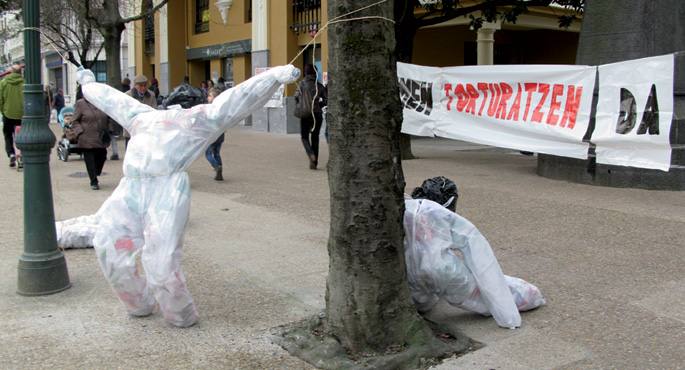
(368, 307)
(112, 36)
(405, 30)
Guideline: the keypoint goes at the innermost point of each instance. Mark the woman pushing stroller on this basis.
(90, 129)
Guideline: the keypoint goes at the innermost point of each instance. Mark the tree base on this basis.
(308, 341)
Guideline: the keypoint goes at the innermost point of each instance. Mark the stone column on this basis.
(163, 41)
(486, 43)
(260, 56)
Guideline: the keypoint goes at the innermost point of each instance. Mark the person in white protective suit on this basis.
(148, 211)
(448, 259)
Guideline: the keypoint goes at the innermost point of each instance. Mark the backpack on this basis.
(303, 106)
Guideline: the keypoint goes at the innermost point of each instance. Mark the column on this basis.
(260, 56)
(486, 42)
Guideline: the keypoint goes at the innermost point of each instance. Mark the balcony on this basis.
(306, 16)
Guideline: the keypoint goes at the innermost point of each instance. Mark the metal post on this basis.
(42, 267)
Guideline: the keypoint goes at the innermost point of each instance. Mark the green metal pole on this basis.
(42, 267)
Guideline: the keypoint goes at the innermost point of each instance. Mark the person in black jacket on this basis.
(310, 91)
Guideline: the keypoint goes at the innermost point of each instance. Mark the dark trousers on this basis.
(95, 160)
(8, 126)
(213, 152)
(310, 138)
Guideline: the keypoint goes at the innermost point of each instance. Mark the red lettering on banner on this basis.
(462, 97)
(448, 94)
(573, 95)
(516, 106)
(483, 88)
(537, 113)
(494, 99)
(557, 91)
(502, 106)
(473, 96)
(530, 89)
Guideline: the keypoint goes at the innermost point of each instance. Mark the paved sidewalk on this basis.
(608, 260)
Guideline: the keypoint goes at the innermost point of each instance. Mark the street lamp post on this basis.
(42, 267)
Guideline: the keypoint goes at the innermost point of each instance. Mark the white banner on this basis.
(634, 113)
(536, 108)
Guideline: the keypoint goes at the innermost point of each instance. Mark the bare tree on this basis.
(65, 24)
(110, 18)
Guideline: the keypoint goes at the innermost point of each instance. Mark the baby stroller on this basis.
(65, 146)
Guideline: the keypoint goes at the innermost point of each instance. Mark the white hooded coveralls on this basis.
(435, 237)
(149, 209)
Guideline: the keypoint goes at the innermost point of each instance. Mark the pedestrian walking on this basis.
(125, 84)
(12, 109)
(58, 101)
(154, 87)
(90, 128)
(141, 93)
(221, 84)
(311, 96)
(213, 152)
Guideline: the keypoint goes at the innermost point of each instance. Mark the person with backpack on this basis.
(310, 97)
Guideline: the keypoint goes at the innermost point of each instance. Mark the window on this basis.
(248, 11)
(201, 16)
(306, 15)
(149, 29)
(99, 69)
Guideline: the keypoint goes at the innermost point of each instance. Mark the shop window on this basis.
(201, 16)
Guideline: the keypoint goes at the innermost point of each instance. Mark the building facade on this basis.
(193, 38)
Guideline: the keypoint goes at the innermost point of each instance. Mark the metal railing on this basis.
(306, 16)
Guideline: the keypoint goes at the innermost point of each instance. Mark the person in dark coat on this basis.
(310, 124)
(154, 86)
(125, 84)
(58, 102)
(90, 127)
